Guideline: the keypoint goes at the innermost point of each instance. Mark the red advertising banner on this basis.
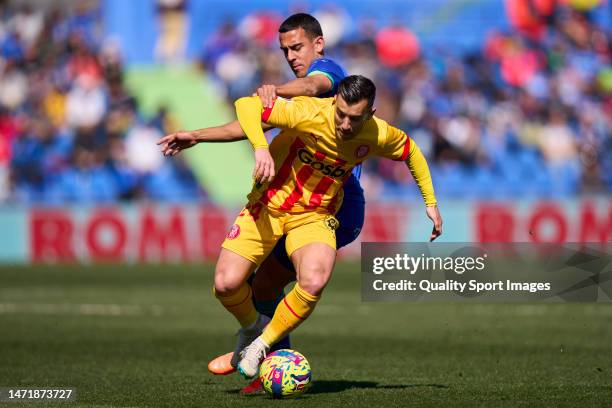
(194, 233)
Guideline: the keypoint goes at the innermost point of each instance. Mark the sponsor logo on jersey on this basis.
(327, 169)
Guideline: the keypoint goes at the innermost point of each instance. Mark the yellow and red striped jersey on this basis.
(311, 162)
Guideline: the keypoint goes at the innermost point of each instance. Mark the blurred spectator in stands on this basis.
(335, 22)
(8, 132)
(173, 27)
(88, 180)
(260, 28)
(141, 151)
(224, 40)
(28, 22)
(85, 103)
(13, 85)
(238, 70)
(556, 139)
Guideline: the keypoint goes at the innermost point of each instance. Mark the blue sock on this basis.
(267, 308)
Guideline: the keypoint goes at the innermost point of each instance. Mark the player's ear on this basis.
(319, 44)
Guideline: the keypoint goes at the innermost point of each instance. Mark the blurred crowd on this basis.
(70, 131)
(529, 115)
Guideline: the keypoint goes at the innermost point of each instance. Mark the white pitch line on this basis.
(84, 309)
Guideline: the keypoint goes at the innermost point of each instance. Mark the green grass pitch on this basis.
(141, 336)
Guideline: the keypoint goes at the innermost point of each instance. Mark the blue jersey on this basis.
(335, 73)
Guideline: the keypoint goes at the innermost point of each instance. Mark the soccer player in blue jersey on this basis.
(301, 40)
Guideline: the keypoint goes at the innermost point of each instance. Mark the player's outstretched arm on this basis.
(174, 143)
(308, 86)
(398, 146)
(420, 171)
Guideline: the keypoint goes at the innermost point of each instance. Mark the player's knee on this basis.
(314, 286)
(226, 282)
(224, 288)
(314, 278)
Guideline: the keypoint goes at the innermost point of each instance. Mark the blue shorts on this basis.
(350, 216)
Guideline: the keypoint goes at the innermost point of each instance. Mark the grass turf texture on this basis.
(141, 336)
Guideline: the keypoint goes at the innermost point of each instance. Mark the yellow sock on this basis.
(296, 306)
(240, 304)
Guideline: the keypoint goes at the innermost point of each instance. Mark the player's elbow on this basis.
(313, 87)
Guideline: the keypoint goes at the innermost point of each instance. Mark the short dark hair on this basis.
(302, 20)
(355, 88)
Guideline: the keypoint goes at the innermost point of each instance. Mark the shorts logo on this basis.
(362, 151)
(331, 223)
(233, 232)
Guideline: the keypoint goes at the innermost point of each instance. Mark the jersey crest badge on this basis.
(362, 151)
(234, 232)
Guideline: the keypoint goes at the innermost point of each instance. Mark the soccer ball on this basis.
(285, 373)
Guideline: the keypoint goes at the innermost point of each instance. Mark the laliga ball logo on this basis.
(332, 223)
(233, 232)
(285, 374)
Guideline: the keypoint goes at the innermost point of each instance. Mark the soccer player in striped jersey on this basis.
(298, 187)
(301, 40)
